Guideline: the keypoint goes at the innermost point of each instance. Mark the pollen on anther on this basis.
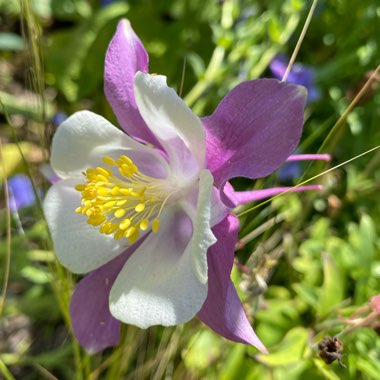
(144, 224)
(108, 205)
(115, 191)
(125, 160)
(125, 191)
(118, 235)
(101, 178)
(140, 207)
(109, 161)
(130, 232)
(133, 237)
(103, 171)
(119, 213)
(155, 225)
(103, 191)
(80, 187)
(124, 224)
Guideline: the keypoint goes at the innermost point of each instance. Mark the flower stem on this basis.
(300, 39)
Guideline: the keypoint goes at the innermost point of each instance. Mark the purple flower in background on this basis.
(299, 74)
(21, 192)
(58, 118)
(289, 172)
(292, 169)
(146, 210)
(105, 3)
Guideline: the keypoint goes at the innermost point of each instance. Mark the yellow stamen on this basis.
(130, 231)
(103, 191)
(115, 191)
(122, 205)
(140, 207)
(124, 224)
(133, 237)
(144, 224)
(119, 213)
(109, 161)
(109, 205)
(103, 171)
(155, 225)
(118, 235)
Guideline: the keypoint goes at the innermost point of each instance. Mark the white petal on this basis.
(79, 246)
(48, 172)
(203, 237)
(165, 281)
(84, 138)
(179, 130)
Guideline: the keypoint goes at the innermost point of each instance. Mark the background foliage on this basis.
(307, 264)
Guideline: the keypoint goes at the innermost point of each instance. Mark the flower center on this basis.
(122, 204)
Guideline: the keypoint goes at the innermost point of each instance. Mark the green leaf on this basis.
(70, 9)
(306, 293)
(62, 9)
(202, 350)
(5, 371)
(327, 372)
(75, 57)
(36, 275)
(40, 255)
(233, 364)
(197, 64)
(274, 29)
(279, 316)
(42, 8)
(332, 291)
(290, 350)
(369, 367)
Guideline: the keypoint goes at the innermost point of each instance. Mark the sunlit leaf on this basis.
(202, 350)
(331, 293)
(292, 348)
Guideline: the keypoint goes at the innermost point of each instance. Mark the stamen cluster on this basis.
(122, 205)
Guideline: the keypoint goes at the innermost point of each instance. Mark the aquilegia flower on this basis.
(146, 209)
(299, 74)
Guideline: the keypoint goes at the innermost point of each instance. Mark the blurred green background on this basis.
(308, 264)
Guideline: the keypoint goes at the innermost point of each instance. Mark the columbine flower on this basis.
(299, 74)
(146, 210)
(21, 192)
